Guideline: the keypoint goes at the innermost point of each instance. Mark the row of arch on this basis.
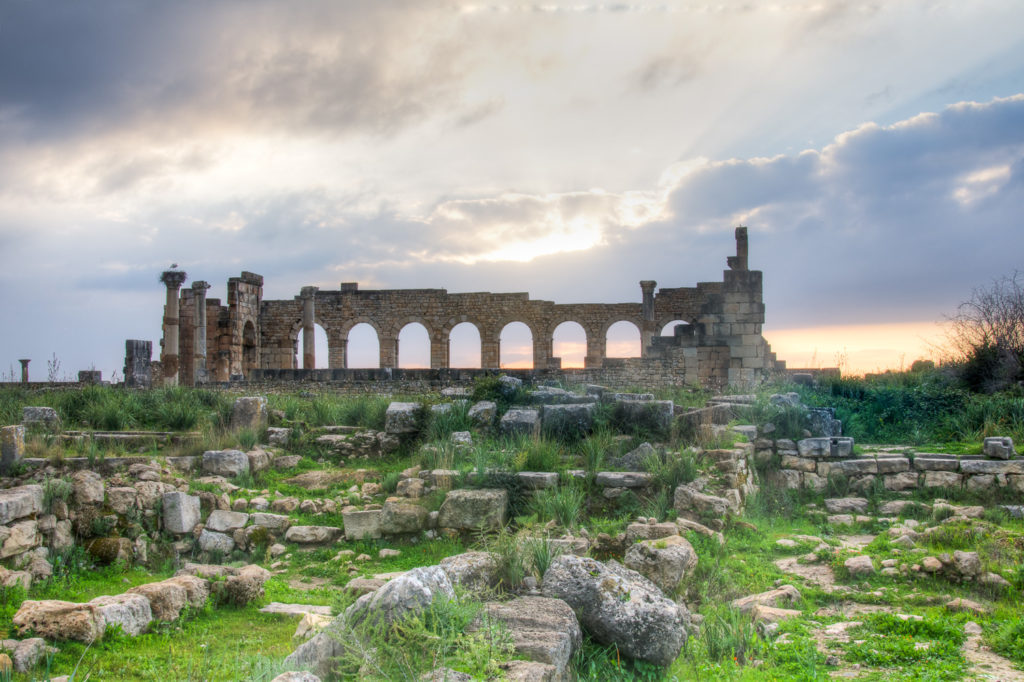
(465, 349)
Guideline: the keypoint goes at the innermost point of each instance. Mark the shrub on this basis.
(390, 482)
(541, 553)
(510, 569)
(727, 634)
(247, 439)
(54, 490)
(562, 505)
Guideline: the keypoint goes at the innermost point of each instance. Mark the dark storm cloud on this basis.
(73, 68)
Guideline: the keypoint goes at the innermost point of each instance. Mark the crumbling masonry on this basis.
(207, 341)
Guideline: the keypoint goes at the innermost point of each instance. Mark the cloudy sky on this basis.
(874, 149)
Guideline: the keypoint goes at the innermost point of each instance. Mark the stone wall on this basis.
(808, 464)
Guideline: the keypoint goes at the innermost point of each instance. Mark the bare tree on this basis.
(986, 335)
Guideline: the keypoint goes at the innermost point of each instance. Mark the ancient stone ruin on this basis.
(249, 338)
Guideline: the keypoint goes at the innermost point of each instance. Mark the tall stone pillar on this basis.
(389, 351)
(490, 349)
(201, 375)
(648, 331)
(172, 279)
(24, 369)
(308, 297)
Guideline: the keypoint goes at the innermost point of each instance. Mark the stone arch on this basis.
(631, 347)
(321, 347)
(459, 350)
(514, 357)
(572, 348)
(667, 327)
(355, 356)
(250, 347)
(417, 357)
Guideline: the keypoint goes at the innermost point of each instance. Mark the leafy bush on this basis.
(1007, 638)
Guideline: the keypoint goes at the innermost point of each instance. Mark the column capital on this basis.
(200, 286)
(308, 292)
(173, 279)
(647, 285)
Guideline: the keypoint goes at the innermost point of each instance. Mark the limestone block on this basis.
(12, 446)
(624, 479)
(222, 521)
(483, 414)
(846, 505)
(249, 413)
(312, 535)
(798, 463)
(88, 487)
(226, 463)
(650, 415)
(20, 538)
(476, 572)
(26, 653)
(893, 465)
(60, 620)
(19, 502)
(941, 479)
(166, 600)
(181, 512)
(474, 509)
(980, 483)
(362, 524)
(278, 436)
(859, 565)
(928, 462)
(107, 551)
(858, 467)
(197, 590)
(619, 607)
(568, 420)
(688, 499)
(814, 447)
(150, 493)
(45, 418)
(399, 518)
(999, 447)
(786, 594)
(666, 562)
(131, 612)
(272, 522)
(259, 459)
(989, 466)
(538, 480)
(906, 480)
(543, 630)
(521, 421)
(212, 541)
(410, 487)
(122, 499)
(402, 418)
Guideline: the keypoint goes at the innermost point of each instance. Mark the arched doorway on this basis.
(622, 340)
(516, 346)
(362, 347)
(464, 349)
(569, 342)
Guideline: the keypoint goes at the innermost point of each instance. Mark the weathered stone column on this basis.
(647, 332)
(595, 349)
(490, 349)
(137, 360)
(201, 376)
(308, 297)
(389, 351)
(24, 369)
(172, 279)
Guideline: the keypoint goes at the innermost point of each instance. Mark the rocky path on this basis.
(985, 663)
